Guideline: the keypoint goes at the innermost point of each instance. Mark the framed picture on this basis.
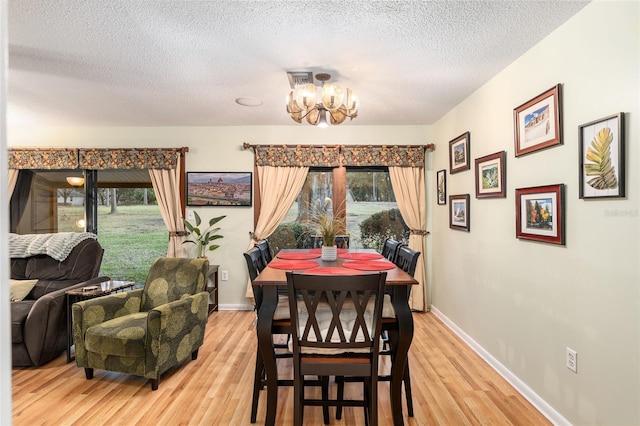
(441, 178)
(459, 153)
(540, 214)
(491, 176)
(537, 123)
(219, 189)
(459, 212)
(601, 145)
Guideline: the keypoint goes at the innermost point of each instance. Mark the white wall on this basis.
(525, 302)
(220, 149)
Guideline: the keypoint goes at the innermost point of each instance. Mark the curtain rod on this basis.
(247, 145)
(183, 149)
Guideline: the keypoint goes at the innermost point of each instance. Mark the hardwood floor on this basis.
(451, 386)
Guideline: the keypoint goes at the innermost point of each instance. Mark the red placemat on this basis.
(330, 270)
(291, 265)
(319, 250)
(360, 256)
(296, 255)
(369, 265)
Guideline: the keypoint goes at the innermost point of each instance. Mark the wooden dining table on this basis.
(398, 285)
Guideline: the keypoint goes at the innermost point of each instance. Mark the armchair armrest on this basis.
(174, 331)
(88, 313)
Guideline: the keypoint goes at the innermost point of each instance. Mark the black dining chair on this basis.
(390, 249)
(281, 326)
(407, 259)
(265, 251)
(336, 325)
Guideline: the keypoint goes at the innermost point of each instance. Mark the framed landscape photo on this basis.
(459, 153)
(602, 157)
(441, 178)
(540, 214)
(459, 212)
(219, 189)
(491, 176)
(538, 123)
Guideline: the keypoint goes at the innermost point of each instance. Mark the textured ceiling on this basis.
(183, 63)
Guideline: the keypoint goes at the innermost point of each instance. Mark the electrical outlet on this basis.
(224, 275)
(572, 360)
(190, 215)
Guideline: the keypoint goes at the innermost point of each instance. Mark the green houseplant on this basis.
(325, 225)
(203, 239)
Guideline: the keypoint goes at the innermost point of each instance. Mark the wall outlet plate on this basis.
(572, 360)
(224, 275)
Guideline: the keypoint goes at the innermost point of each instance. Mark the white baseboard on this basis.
(541, 405)
(238, 307)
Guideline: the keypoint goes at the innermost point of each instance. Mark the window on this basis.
(362, 196)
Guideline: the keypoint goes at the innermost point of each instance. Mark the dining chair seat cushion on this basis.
(387, 308)
(282, 310)
(123, 336)
(347, 318)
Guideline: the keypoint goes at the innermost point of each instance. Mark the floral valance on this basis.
(339, 155)
(129, 158)
(44, 159)
(394, 156)
(298, 156)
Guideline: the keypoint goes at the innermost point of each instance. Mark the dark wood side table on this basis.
(212, 287)
(90, 292)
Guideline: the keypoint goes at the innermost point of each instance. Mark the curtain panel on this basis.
(129, 158)
(43, 158)
(297, 156)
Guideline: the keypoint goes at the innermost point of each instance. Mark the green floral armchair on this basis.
(146, 331)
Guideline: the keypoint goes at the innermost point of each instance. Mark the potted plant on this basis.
(327, 227)
(203, 239)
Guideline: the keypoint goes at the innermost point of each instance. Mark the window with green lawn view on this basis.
(130, 227)
(363, 196)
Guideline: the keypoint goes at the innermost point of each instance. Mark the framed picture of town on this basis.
(219, 189)
(491, 176)
(459, 153)
(538, 123)
(540, 214)
(459, 212)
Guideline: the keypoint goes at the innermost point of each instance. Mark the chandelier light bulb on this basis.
(305, 96)
(332, 96)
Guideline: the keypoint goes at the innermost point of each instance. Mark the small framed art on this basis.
(459, 212)
(540, 214)
(459, 153)
(441, 178)
(537, 122)
(219, 189)
(602, 160)
(491, 176)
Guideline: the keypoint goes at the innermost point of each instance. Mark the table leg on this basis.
(265, 345)
(400, 300)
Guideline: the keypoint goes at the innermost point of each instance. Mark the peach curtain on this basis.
(279, 188)
(409, 189)
(166, 184)
(13, 178)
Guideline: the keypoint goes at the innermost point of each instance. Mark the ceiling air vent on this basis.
(299, 77)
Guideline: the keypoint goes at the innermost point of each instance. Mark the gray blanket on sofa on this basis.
(58, 246)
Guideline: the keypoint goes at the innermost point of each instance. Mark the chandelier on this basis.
(333, 101)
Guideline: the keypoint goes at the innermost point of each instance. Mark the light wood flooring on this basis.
(451, 386)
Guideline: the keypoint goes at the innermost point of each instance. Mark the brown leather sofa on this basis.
(39, 321)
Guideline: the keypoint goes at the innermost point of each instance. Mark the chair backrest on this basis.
(255, 262)
(407, 259)
(342, 241)
(171, 278)
(390, 249)
(335, 314)
(265, 251)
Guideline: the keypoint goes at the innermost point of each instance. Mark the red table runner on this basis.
(297, 255)
(361, 256)
(371, 265)
(330, 270)
(293, 264)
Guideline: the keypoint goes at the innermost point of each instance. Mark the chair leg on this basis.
(298, 400)
(194, 355)
(88, 373)
(325, 397)
(257, 386)
(366, 389)
(340, 396)
(154, 384)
